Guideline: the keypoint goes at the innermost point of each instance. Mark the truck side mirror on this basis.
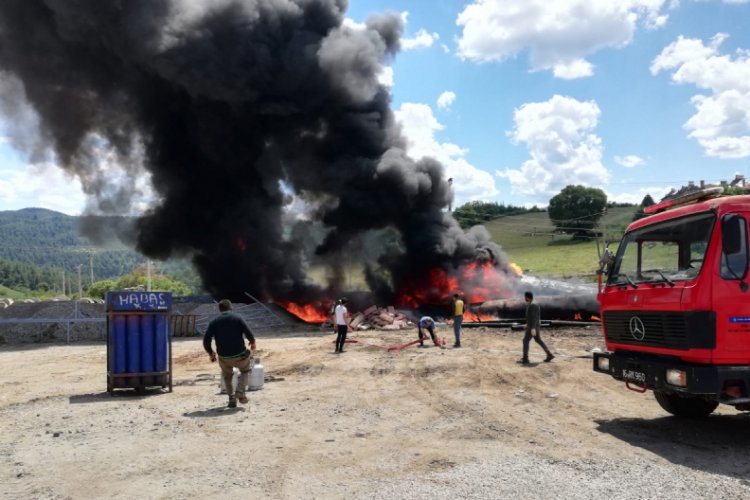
(731, 234)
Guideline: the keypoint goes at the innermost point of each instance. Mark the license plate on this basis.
(634, 376)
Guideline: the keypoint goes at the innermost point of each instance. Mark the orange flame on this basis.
(517, 269)
(308, 312)
(594, 317)
(577, 317)
(476, 281)
(472, 317)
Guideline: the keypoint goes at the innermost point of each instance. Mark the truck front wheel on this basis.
(685, 406)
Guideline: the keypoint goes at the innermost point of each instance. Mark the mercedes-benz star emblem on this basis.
(637, 330)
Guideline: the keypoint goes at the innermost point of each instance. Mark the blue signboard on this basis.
(739, 319)
(139, 301)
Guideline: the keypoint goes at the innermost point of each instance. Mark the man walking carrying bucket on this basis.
(227, 330)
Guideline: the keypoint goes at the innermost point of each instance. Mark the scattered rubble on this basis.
(375, 317)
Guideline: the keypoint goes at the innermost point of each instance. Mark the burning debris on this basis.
(239, 112)
(379, 318)
(372, 317)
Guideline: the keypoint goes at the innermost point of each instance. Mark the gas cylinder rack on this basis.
(139, 343)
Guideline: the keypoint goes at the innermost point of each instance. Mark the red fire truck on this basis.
(675, 306)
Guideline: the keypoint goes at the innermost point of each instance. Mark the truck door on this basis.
(730, 293)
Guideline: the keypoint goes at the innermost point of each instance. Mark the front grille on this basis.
(666, 329)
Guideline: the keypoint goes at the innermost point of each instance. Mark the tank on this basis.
(235, 377)
(147, 347)
(133, 346)
(256, 376)
(119, 336)
(161, 340)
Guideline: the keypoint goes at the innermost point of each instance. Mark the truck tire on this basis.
(685, 406)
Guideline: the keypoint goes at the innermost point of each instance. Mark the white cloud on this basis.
(635, 196)
(420, 125)
(630, 161)
(445, 99)
(579, 68)
(421, 39)
(721, 124)
(111, 185)
(354, 25)
(563, 150)
(445, 48)
(557, 35)
(385, 76)
(42, 185)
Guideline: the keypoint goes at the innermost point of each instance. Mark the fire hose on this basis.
(437, 341)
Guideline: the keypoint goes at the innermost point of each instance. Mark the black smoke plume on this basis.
(239, 111)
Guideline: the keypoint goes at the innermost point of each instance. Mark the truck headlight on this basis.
(603, 363)
(676, 377)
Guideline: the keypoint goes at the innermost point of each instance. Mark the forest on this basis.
(38, 246)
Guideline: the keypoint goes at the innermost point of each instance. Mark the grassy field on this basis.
(9, 293)
(530, 242)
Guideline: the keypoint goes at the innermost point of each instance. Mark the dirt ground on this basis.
(420, 423)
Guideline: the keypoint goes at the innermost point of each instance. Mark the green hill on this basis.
(530, 241)
(50, 241)
(46, 238)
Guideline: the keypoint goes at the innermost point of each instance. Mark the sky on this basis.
(520, 98)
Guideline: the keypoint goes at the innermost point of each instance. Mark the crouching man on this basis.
(427, 323)
(227, 330)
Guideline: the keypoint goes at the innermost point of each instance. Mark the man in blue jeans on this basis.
(533, 322)
(426, 323)
(458, 318)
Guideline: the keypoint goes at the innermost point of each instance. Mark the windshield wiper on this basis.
(627, 279)
(667, 280)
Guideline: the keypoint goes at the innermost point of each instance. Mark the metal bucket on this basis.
(256, 376)
(235, 377)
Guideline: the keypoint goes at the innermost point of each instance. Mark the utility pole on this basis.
(80, 289)
(63, 282)
(349, 269)
(91, 266)
(450, 203)
(148, 275)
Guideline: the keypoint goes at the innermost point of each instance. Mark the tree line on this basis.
(46, 238)
(477, 212)
(576, 210)
(28, 277)
(38, 246)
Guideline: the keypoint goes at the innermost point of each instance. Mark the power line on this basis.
(525, 217)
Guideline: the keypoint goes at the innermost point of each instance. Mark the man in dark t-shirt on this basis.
(533, 323)
(227, 330)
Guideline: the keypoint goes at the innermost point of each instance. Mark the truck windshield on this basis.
(663, 253)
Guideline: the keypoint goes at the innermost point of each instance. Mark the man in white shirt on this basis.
(341, 314)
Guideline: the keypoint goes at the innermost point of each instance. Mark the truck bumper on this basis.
(729, 384)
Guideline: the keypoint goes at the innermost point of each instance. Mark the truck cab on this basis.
(675, 307)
